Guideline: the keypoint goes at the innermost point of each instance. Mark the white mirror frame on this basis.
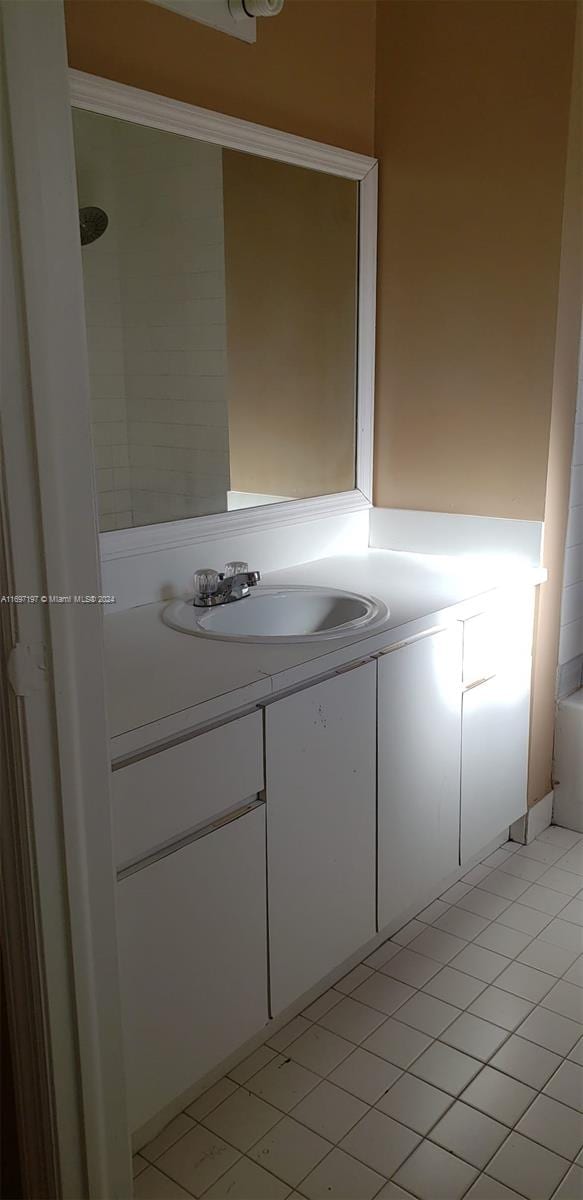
(145, 108)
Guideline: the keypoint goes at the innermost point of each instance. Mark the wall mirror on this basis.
(229, 277)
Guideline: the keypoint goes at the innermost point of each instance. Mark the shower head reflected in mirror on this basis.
(92, 223)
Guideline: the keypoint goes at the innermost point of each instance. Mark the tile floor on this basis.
(448, 1064)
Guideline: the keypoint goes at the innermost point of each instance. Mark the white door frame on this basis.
(55, 749)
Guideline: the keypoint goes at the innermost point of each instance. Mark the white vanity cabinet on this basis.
(321, 829)
(419, 721)
(192, 917)
(495, 719)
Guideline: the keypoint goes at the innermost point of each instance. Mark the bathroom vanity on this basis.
(310, 797)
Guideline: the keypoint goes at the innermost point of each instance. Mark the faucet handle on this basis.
(206, 582)
(235, 568)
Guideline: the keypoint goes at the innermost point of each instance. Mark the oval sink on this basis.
(289, 614)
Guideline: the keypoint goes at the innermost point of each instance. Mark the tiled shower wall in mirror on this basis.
(155, 308)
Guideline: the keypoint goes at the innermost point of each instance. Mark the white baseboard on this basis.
(539, 817)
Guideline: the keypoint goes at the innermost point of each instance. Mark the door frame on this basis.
(55, 749)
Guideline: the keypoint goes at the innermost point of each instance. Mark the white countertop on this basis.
(162, 683)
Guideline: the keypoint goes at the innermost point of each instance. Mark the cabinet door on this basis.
(494, 756)
(418, 769)
(320, 777)
(193, 961)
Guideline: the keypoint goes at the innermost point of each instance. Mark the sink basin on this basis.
(287, 614)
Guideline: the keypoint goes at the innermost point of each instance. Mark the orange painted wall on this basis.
(311, 71)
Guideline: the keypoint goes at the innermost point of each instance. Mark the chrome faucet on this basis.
(222, 587)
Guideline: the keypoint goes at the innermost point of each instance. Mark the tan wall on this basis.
(290, 274)
(560, 449)
(310, 72)
(472, 103)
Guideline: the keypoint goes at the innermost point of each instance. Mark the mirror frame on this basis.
(112, 99)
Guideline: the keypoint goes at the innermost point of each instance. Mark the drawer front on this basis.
(165, 796)
(500, 638)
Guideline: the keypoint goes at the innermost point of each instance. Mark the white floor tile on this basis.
(485, 904)
(242, 1119)
(476, 874)
(409, 967)
(573, 860)
(529, 1169)
(503, 940)
(576, 1054)
(319, 1050)
(322, 1005)
(153, 1185)
(544, 899)
(561, 881)
(212, 1097)
(167, 1137)
(501, 1008)
(250, 1065)
(575, 972)
(557, 835)
(197, 1160)
(455, 893)
(543, 851)
(437, 944)
(398, 1043)
(545, 956)
(415, 1103)
(352, 1020)
(526, 1061)
(525, 981)
(470, 1134)
(482, 964)
(408, 932)
(500, 883)
(283, 1083)
(574, 912)
(365, 1075)
(527, 920)
(427, 1013)
(454, 987)
(432, 912)
(446, 1068)
(572, 1186)
(563, 933)
(378, 958)
(358, 975)
(524, 868)
(247, 1181)
(474, 1036)
(139, 1164)
(329, 1111)
(380, 1142)
(382, 993)
(553, 1125)
(284, 1037)
(290, 1151)
(499, 1096)
(566, 999)
(550, 1029)
(486, 1188)
(567, 1085)
(433, 1174)
(341, 1177)
(392, 1192)
(498, 858)
(462, 923)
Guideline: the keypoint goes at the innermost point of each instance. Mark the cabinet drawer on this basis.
(500, 637)
(164, 796)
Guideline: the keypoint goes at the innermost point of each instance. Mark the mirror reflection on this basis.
(221, 308)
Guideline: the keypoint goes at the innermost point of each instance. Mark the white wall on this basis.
(157, 278)
(571, 643)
